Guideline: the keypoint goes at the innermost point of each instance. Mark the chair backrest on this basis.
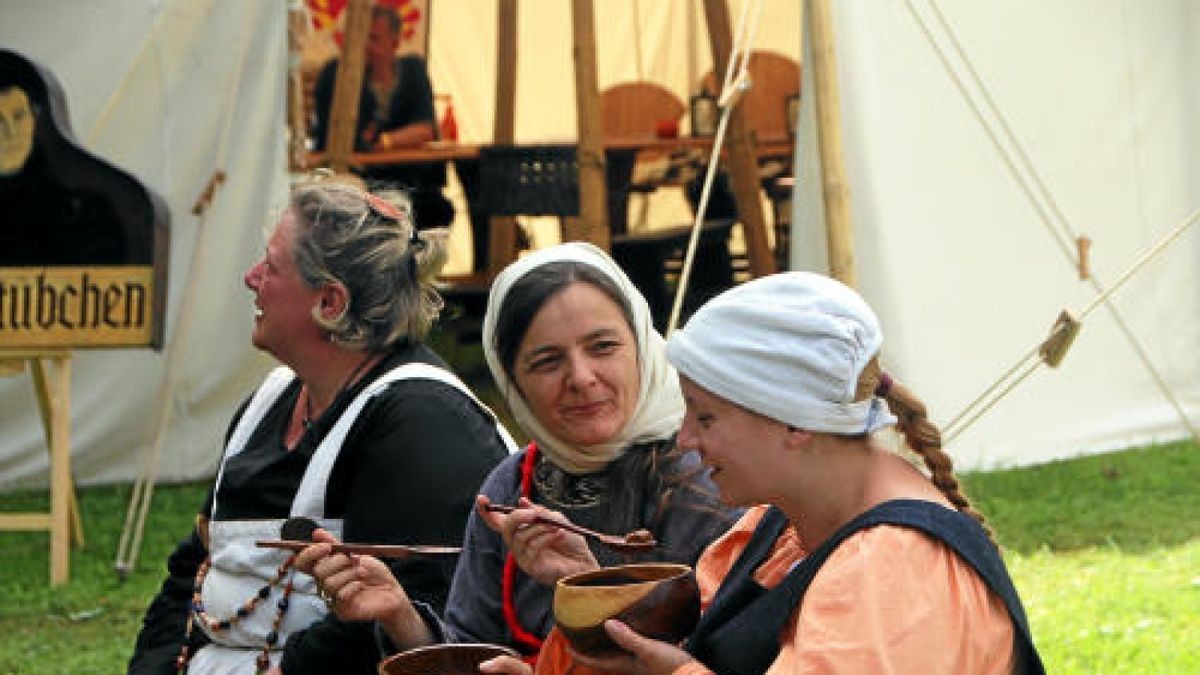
(634, 108)
(774, 78)
(541, 180)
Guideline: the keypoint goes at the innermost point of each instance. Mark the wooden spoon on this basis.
(636, 541)
(296, 535)
(377, 550)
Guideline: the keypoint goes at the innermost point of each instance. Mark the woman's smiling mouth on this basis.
(587, 409)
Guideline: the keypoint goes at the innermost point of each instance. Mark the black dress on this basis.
(420, 447)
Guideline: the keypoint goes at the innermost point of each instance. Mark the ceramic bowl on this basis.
(658, 600)
(447, 659)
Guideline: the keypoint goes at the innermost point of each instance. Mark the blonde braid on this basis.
(921, 435)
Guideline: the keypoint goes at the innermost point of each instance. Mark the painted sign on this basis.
(83, 244)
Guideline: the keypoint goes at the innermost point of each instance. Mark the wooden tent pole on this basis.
(297, 128)
(502, 230)
(593, 192)
(740, 139)
(827, 106)
(343, 114)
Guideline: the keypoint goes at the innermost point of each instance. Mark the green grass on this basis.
(88, 625)
(1104, 550)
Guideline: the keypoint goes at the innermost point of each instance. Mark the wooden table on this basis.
(621, 153)
(441, 151)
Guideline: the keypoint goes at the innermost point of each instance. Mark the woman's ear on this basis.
(333, 300)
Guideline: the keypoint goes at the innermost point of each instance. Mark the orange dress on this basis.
(889, 599)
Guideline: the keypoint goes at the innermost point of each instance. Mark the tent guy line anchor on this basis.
(1039, 196)
(1053, 349)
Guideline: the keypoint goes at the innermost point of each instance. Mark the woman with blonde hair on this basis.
(362, 429)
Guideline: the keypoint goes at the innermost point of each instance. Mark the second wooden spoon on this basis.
(638, 540)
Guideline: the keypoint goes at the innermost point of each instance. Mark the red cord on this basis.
(528, 641)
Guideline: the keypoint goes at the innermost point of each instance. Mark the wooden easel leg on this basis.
(54, 396)
(45, 395)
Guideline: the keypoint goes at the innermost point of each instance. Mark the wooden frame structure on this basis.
(592, 224)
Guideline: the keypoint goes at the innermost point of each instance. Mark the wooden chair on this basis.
(633, 109)
(774, 78)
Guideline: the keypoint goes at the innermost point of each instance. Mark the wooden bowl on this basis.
(658, 600)
(447, 659)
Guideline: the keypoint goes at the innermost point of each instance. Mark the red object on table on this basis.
(666, 128)
(449, 125)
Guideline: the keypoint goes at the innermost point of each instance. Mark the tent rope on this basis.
(737, 82)
(974, 411)
(143, 487)
(1040, 197)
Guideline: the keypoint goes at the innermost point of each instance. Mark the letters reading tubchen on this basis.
(38, 305)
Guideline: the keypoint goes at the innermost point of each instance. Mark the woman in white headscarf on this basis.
(571, 345)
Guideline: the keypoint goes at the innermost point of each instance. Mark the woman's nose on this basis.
(582, 372)
(251, 276)
(686, 438)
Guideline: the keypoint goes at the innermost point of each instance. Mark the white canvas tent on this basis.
(1102, 97)
(966, 279)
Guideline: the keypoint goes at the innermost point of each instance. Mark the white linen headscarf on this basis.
(789, 346)
(659, 410)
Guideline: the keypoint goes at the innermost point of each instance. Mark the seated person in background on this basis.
(854, 561)
(364, 430)
(571, 345)
(395, 110)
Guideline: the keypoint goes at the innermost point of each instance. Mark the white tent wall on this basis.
(170, 91)
(1101, 95)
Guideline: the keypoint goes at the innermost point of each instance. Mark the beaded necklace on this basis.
(263, 662)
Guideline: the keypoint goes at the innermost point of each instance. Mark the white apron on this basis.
(239, 568)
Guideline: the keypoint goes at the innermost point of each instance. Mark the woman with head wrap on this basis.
(363, 429)
(856, 561)
(571, 345)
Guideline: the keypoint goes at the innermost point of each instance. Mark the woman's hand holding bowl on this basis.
(545, 553)
(644, 656)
